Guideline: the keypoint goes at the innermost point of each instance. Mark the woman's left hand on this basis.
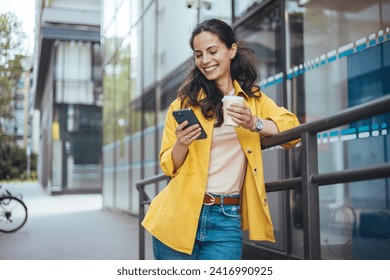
(241, 115)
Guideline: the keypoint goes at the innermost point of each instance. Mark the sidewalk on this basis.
(70, 227)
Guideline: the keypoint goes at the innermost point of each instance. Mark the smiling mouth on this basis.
(210, 69)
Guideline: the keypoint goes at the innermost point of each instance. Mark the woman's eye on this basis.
(214, 52)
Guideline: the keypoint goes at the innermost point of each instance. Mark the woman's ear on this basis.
(233, 50)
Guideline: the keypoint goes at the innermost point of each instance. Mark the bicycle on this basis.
(13, 212)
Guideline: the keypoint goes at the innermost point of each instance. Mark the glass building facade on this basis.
(316, 58)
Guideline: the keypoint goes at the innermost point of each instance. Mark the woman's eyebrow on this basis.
(206, 49)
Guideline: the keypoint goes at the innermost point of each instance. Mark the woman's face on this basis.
(213, 58)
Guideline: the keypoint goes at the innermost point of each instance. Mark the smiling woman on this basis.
(217, 186)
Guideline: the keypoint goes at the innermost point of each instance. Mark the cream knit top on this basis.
(227, 161)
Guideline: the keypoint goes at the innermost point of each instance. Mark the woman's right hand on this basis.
(185, 136)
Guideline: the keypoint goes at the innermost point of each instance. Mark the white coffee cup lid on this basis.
(233, 98)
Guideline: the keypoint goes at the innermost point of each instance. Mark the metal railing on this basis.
(143, 201)
(310, 179)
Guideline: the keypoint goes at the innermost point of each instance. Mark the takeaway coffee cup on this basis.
(227, 101)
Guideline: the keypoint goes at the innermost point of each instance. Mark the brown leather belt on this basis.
(211, 200)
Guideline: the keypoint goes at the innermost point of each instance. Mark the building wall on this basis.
(45, 150)
(67, 93)
(338, 60)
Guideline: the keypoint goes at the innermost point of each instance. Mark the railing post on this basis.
(310, 197)
(143, 201)
(141, 214)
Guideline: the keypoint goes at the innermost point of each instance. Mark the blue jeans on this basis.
(218, 237)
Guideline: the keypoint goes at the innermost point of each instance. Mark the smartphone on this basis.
(189, 115)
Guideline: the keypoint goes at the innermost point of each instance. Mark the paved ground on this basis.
(70, 227)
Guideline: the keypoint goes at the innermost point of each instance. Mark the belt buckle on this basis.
(212, 200)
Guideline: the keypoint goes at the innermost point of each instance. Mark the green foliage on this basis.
(13, 162)
(11, 68)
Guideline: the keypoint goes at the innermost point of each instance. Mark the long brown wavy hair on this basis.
(242, 69)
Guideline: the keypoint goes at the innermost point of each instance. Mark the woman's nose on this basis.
(206, 59)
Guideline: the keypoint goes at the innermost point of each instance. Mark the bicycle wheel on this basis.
(13, 214)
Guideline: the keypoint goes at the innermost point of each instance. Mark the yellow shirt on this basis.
(173, 214)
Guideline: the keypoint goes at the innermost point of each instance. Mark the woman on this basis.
(217, 186)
